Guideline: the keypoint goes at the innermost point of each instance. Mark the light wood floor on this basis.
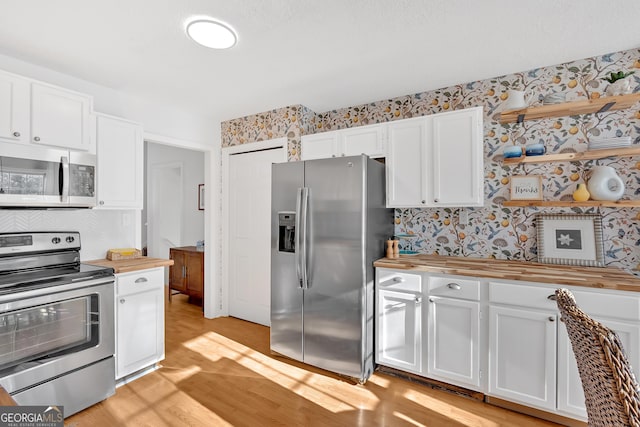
(220, 373)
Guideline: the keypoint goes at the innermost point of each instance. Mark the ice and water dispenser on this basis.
(286, 231)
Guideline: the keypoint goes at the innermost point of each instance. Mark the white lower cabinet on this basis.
(520, 343)
(399, 320)
(522, 356)
(139, 320)
(454, 331)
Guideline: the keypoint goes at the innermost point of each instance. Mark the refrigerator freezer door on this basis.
(334, 302)
(286, 293)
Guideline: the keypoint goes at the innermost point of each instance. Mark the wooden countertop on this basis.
(593, 277)
(134, 264)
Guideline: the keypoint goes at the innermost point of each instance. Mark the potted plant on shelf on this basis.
(619, 84)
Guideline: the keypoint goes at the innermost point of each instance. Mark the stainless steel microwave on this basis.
(32, 176)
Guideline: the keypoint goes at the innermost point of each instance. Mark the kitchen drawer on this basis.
(454, 287)
(600, 304)
(398, 281)
(139, 281)
(534, 296)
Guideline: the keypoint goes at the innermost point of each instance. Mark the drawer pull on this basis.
(122, 300)
(398, 279)
(552, 297)
(454, 286)
(552, 319)
(141, 280)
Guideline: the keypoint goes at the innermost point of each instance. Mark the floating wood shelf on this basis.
(574, 157)
(569, 204)
(599, 105)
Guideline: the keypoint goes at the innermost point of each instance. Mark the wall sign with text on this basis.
(526, 187)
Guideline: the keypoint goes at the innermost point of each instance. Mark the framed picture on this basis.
(570, 239)
(201, 197)
(526, 187)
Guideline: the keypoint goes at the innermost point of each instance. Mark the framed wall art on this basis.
(570, 239)
(201, 197)
(526, 187)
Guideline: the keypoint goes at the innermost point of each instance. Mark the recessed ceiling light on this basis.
(210, 33)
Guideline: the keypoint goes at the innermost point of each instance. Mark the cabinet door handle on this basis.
(122, 300)
(431, 300)
(16, 134)
(141, 280)
(454, 286)
(36, 138)
(418, 300)
(398, 279)
(552, 297)
(435, 200)
(423, 201)
(184, 271)
(552, 319)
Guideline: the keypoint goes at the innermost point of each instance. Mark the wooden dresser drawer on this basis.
(454, 287)
(399, 281)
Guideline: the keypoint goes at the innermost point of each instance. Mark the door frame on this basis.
(227, 152)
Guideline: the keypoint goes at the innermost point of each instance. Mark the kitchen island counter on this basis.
(134, 264)
(593, 277)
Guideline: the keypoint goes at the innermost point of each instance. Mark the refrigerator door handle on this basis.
(302, 231)
(298, 238)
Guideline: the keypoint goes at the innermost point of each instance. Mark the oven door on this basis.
(47, 332)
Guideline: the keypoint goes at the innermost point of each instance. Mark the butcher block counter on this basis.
(134, 264)
(593, 277)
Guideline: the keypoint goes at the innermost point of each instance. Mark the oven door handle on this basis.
(63, 179)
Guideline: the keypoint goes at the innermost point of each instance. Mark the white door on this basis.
(164, 217)
(399, 330)
(250, 234)
(522, 356)
(367, 140)
(14, 108)
(454, 331)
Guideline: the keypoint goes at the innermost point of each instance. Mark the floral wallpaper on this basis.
(495, 231)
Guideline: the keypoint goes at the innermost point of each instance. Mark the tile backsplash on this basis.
(99, 230)
(495, 231)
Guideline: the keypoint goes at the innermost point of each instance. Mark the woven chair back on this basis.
(610, 388)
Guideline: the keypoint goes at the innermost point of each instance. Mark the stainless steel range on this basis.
(56, 322)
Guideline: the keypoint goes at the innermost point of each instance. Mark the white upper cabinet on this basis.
(319, 146)
(60, 117)
(407, 180)
(369, 140)
(457, 161)
(14, 108)
(436, 160)
(120, 163)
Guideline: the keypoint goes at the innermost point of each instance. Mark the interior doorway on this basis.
(172, 216)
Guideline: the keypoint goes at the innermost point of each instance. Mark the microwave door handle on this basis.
(63, 184)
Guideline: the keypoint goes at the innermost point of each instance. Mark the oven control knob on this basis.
(70, 239)
(55, 240)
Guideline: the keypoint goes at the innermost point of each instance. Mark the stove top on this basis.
(23, 280)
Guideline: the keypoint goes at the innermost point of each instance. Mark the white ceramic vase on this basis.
(604, 184)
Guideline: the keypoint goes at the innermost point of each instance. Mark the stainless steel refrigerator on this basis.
(328, 224)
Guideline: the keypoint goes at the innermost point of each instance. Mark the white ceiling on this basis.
(324, 54)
